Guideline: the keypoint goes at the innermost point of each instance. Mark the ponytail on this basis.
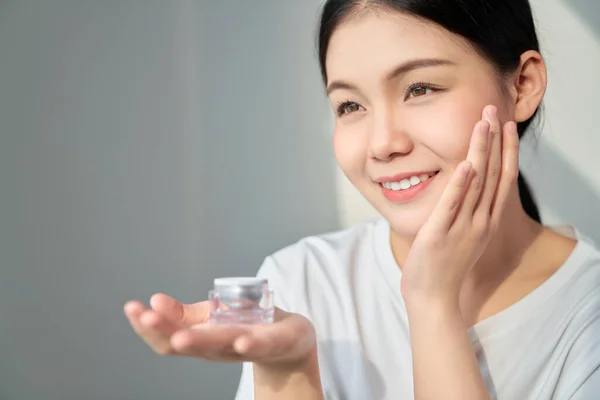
(525, 193)
(527, 199)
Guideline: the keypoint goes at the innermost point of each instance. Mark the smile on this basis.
(407, 183)
(407, 188)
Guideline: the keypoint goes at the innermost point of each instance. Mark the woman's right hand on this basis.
(172, 328)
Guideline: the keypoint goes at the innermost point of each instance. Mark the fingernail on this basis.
(492, 111)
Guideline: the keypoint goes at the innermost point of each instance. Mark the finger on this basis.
(262, 340)
(156, 331)
(187, 314)
(209, 341)
(478, 154)
(494, 165)
(448, 206)
(510, 169)
(292, 336)
(133, 310)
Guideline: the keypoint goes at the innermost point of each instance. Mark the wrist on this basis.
(429, 299)
(299, 380)
(433, 307)
(446, 292)
(274, 371)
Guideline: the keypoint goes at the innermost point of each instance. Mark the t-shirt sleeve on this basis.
(590, 389)
(270, 270)
(584, 367)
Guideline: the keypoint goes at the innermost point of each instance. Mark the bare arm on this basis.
(298, 381)
(445, 250)
(444, 362)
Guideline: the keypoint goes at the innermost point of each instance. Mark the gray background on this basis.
(154, 145)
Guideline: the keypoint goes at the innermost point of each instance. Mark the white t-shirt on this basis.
(545, 346)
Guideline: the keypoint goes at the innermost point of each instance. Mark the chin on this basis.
(406, 224)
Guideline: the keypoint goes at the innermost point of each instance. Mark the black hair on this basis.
(500, 30)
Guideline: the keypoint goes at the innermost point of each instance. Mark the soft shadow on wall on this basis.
(588, 10)
(561, 189)
(559, 163)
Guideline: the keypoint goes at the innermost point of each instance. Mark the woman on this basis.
(458, 291)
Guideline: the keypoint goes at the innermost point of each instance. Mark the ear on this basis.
(529, 84)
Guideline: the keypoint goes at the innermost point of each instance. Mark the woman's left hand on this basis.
(454, 237)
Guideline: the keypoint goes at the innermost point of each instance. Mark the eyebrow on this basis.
(399, 70)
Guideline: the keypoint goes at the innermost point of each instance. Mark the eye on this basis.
(347, 107)
(419, 89)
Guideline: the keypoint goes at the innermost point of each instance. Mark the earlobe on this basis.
(530, 84)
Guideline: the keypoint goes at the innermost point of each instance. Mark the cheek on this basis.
(449, 134)
(350, 152)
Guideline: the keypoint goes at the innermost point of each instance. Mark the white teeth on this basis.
(405, 183)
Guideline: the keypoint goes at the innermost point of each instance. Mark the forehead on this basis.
(377, 41)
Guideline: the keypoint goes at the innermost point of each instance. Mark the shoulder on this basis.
(581, 300)
(581, 369)
(579, 256)
(323, 260)
(324, 248)
(585, 259)
(578, 279)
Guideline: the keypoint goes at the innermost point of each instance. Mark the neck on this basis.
(507, 250)
(508, 247)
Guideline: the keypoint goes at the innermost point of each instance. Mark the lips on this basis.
(408, 187)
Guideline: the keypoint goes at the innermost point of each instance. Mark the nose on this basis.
(388, 137)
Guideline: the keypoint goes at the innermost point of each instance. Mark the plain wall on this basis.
(146, 146)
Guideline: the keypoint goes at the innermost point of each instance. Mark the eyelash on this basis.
(419, 85)
(342, 105)
(409, 89)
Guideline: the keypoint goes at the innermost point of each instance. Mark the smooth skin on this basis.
(284, 353)
(466, 248)
(410, 96)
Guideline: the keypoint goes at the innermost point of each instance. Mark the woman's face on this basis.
(407, 95)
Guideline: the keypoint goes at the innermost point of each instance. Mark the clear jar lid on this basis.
(238, 291)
